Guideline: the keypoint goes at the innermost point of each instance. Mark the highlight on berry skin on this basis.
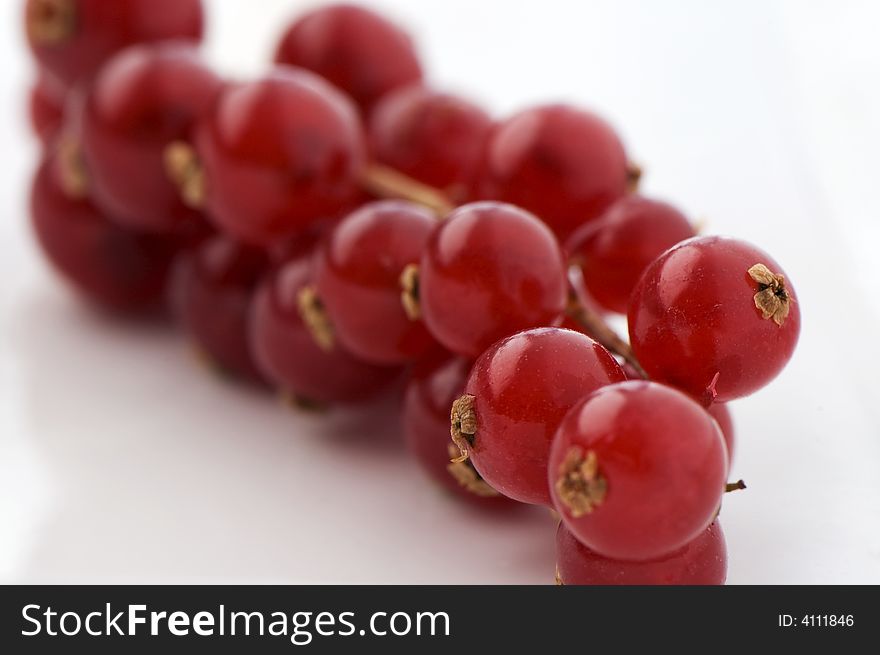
(340, 233)
(490, 269)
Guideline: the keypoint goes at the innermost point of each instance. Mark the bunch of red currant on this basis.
(336, 224)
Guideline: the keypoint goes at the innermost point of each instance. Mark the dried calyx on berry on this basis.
(71, 167)
(409, 292)
(580, 486)
(772, 297)
(50, 22)
(464, 425)
(313, 314)
(184, 169)
(715, 317)
(466, 475)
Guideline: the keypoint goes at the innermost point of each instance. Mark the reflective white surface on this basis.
(122, 461)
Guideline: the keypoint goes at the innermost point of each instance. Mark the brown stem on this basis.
(597, 328)
(730, 486)
(386, 182)
(734, 486)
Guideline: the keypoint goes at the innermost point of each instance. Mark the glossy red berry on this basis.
(516, 395)
(433, 385)
(111, 266)
(279, 154)
(72, 38)
(46, 107)
(145, 98)
(212, 290)
(637, 470)
(359, 51)
(715, 317)
(436, 138)
(289, 356)
(703, 561)
(358, 278)
(614, 251)
(564, 164)
(721, 413)
(489, 270)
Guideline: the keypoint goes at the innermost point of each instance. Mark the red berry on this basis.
(516, 395)
(212, 290)
(109, 265)
(46, 105)
(489, 270)
(432, 387)
(703, 561)
(637, 470)
(564, 164)
(279, 154)
(144, 99)
(288, 354)
(715, 317)
(433, 137)
(358, 279)
(73, 38)
(614, 251)
(359, 51)
(721, 414)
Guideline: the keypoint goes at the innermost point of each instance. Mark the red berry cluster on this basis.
(337, 224)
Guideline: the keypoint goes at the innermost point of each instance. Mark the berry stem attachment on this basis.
(711, 392)
(184, 169)
(51, 22)
(386, 182)
(595, 326)
(734, 486)
(634, 174)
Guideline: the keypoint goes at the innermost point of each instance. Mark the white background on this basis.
(121, 461)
